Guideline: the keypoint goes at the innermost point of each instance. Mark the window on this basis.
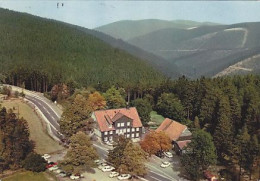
(128, 123)
(105, 139)
(137, 129)
(133, 135)
(128, 135)
(137, 134)
(118, 125)
(117, 131)
(110, 138)
(122, 124)
(128, 130)
(133, 129)
(105, 133)
(111, 132)
(124, 131)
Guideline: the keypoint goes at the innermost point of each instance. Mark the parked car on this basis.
(97, 162)
(58, 171)
(55, 167)
(51, 164)
(102, 165)
(124, 177)
(165, 164)
(168, 154)
(74, 177)
(46, 156)
(107, 168)
(113, 174)
(109, 143)
(62, 174)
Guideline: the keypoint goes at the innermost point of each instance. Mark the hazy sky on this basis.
(92, 14)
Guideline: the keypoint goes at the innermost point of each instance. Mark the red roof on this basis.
(172, 128)
(107, 117)
(183, 144)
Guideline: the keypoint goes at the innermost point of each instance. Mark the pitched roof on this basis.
(107, 117)
(172, 128)
(183, 144)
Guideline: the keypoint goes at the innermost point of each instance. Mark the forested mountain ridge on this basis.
(215, 47)
(38, 53)
(128, 29)
(168, 68)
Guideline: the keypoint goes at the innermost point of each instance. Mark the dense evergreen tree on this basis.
(34, 162)
(15, 143)
(223, 134)
(199, 155)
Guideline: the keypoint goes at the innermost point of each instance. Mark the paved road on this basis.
(48, 112)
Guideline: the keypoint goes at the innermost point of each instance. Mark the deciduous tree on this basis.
(114, 99)
(81, 154)
(156, 143)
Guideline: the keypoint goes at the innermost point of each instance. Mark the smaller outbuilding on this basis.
(177, 132)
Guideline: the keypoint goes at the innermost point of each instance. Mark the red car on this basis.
(51, 164)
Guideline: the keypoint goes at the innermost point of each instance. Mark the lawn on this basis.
(30, 176)
(38, 133)
(156, 119)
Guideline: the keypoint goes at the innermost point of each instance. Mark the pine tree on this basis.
(223, 135)
(199, 155)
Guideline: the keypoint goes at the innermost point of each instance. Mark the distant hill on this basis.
(39, 53)
(205, 50)
(167, 68)
(129, 29)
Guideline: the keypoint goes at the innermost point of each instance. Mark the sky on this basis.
(91, 14)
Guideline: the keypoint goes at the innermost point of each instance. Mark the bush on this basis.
(34, 162)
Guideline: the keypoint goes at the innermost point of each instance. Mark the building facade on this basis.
(115, 122)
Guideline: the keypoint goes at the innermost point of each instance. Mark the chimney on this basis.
(127, 105)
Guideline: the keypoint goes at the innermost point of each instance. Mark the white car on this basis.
(74, 177)
(109, 143)
(62, 174)
(97, 161)
(58, 171)
(124, 177)
(165, 164)
(55, 167)
(46, 156)
(107, 168)
(102, 165)
(168, 154)
(113, 174)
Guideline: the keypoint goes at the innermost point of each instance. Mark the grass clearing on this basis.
(44, 143)
(30, 176)
(156, 119)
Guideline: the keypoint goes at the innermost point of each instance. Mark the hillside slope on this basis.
(128, 29)
(213, 47)
(40, 52)
(168, 68)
